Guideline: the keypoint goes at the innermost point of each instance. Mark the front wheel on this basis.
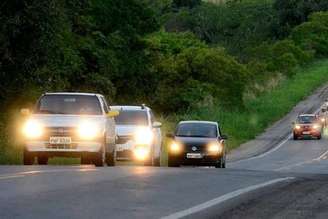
(99, 158)
(42, 160)
(173, 161)
(111, 159)
(28, 158)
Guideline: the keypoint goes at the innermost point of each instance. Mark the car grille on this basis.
(59, 132)
(124, 139)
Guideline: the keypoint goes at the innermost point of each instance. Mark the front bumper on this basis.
(74, 147)
(206, 159)
(312, 132)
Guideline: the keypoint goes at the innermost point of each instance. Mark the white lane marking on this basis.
(321, 157)
(272, 149)
(266, 153)
(36, 172)
(223, 198)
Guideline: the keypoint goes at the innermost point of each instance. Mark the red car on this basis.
(307, 125)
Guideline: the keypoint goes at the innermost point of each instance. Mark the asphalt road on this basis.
(281, 179)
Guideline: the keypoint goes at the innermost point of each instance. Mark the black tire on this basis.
(28, 158)
(111, 159)
(85, 159)
(42, 160)
(99, 158)
(157, 162)
(295, 137)
(220, 163)
(319, 137)
(173, 162)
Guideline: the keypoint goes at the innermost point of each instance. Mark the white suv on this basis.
(138, 135)
(70, 125)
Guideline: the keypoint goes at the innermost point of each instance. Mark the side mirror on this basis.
(25, 112)
(224, 137)
(113, 113)
(157, 125)
(169, 135)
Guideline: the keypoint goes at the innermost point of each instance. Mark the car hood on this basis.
(127, 130)
(194, 141)
(67, 120)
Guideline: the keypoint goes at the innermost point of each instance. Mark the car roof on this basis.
(306, 115)
(73, 93)
(198, 121)
(132, 108)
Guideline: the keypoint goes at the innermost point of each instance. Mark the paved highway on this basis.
(270, 177)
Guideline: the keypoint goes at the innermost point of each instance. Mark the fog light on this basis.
(175, 147)
(141, 153)
(215, 148)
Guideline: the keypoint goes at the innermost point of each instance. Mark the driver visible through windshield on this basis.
(196, 130)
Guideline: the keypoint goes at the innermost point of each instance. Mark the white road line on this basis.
(223, 198)
(272, 149)
(321, 157)
(37, 172)
(266, 153)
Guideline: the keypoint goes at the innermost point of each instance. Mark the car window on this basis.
(69, 104)
(197, 130)
(152, 117)
(132, 117)
(306, 119)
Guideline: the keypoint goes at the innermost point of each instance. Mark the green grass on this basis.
(259, 113)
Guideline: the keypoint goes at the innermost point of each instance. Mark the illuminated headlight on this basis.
(297, 127)
(141, 152)
(214, 148)
(143, 136)
(316, 126)
(88, 130)
(323, 120)
(175, 147)
(32, 129)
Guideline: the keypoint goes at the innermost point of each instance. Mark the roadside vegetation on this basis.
(231, 61)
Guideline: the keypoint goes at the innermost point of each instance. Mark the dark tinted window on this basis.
(197, 130)
(306, 119)
(69, 104)
(132, 117)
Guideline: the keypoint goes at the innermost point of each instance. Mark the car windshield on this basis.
(197, 130)
(306, 119)
(132, 117)
(69, 104)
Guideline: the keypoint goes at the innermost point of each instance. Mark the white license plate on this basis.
(123, 147)
(306, 133)
(194, 155)
(60, 140)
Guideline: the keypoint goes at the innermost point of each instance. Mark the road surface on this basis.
(270, 177)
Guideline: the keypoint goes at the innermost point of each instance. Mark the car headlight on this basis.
(316, 126)
(323, 120)
(214, 148)
(32, 129)
(175, 147)
(141, 152)
(88, 130)
(143, 136)
(297, 127)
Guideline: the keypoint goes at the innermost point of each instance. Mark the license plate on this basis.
(194, 155)
(306, 133)
(123, 147)
(60, 140)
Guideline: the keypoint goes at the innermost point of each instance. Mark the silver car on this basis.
(138, 135)
(70, 125)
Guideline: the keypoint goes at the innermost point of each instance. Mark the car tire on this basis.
(111, 159)
(220, 163)
(42, 160)
(319, 137)
(85, 159)
(157, 162)
(173, 162)
(295, 137)
(99, 158)
(28, 158)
